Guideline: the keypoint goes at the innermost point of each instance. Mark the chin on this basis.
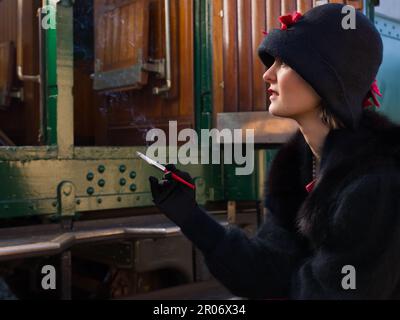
(273, 110)
(276, 111)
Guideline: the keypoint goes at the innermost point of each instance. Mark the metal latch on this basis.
(66, 199)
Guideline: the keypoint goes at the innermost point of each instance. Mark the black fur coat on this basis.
(351, 218)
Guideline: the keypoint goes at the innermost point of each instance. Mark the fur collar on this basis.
(376, 136)
(347, 154)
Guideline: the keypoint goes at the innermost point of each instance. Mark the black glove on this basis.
(176, 200)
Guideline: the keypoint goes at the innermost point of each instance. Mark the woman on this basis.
(333, 191)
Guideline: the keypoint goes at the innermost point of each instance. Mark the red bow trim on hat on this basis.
(289, 20)
(372, 94)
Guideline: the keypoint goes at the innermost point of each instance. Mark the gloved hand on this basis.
(173, 198)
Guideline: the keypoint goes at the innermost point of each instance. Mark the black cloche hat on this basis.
(340, 64)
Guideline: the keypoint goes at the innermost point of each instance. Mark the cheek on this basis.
(296, 93)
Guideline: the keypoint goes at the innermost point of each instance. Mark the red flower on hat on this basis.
(289, 20)
(372, 95)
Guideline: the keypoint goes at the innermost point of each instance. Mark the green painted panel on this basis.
(103, 178)
(51, 90)
(203, 89)
(203, 64)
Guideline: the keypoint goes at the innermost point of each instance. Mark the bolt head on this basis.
(102, 183)
(90, 176)
(67, 190)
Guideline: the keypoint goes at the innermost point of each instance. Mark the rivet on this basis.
(102, 183)
(54, 204)
(101, 169)
(90, 176)
(133, 187)
(133, 175)
(90, 191)
(122, 182)
(122, 168)
(119, 199)
(99, 201)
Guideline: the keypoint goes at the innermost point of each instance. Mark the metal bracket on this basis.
(201, 196)
(168, 59)
(66, 199)
(232, 212)
(17, 94)
(157, 66)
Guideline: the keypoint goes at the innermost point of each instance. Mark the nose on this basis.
(270, 75)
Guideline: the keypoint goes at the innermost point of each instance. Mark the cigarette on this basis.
(164, 169)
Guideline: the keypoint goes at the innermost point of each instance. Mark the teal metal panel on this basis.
(389, 73)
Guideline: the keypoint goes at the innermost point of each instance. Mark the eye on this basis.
(280, 62)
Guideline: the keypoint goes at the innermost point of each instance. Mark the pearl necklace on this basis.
(314, 169)
(311, 185)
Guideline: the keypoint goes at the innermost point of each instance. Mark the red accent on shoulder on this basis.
(311, 185)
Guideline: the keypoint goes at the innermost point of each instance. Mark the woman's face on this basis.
(291, 95)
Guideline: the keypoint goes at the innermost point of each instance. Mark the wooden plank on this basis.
(116, 31)
(217, 58)
(107, 38)
(245, 56)
(358, 4)
(230, 56)
(177, 24)
(304, 5)
(7, 70)
(273, 12)
(124, 36)
(288, 6)
(184, 60)
(258, 26)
